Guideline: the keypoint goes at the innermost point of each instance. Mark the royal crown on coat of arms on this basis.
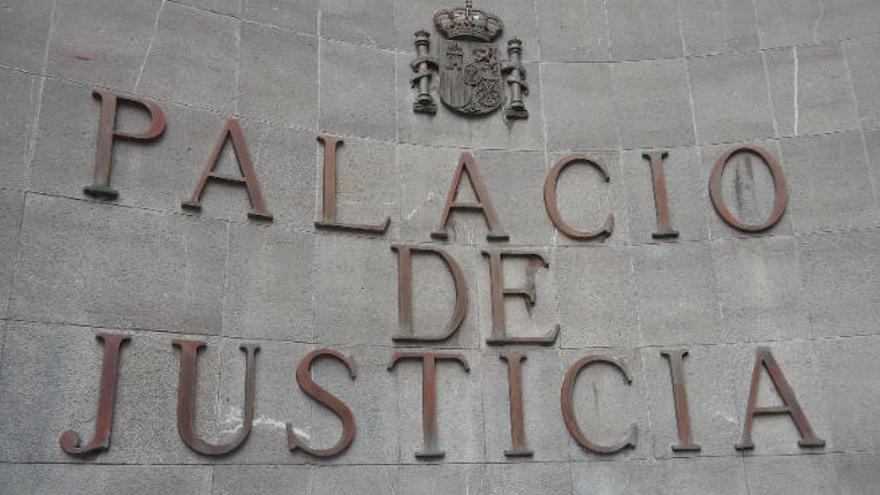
(471, 77)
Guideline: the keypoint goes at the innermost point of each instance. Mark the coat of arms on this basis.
(473, 80)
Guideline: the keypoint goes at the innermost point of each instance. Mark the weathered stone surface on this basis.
(353, 480)
(573, 92)
(718, 26)
(864, 65)
(261, 480)
(686, 476)
(790, 22)
(226, 7)
(642, 29)
(856, 473)
(872, 142)
(93, 264)
(58, 479)
(362, 23)
(574, 31)
(18, 97)
(775, 475)
(300, 16)
(528, 479)
(445, 478)
(24, 28)
(11, 209)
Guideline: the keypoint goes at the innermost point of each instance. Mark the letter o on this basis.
(780, 190)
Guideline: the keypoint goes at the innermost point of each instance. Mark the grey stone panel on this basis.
(643, 29)
(270, 283)
(856, 473)
(872, 143)
(829, 182)
(847, 369)
(864, 64)
(813, 93)
(529, 478)
(686, 191)
(676, 293)
(460, 417)
(194, 59)
(446, 128)
(697, 476)
(545, 431)
(606, 406)
(261, 480)
(715, 415)
(840, 290)
(789, 475)
(93, 264)
(747, 189)
(362, 23)
(300, 16)
(11, 210)
(775, 435)
(574, 31)
(444, 478)
(50, 384)
(759, 287)
(790, 22)
(102, 42)
(372, 397)
(654, 105)
(580, 108)
(718, 26)
(19, 94)
(353, 480)
(731, 100)
(227, 7)
(357, 92)
(278, 401)
(597, 299)
(278, 80)
(849, 18)
(58, 479)
(24, 29)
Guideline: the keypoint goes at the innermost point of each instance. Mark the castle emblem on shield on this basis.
(472, 79)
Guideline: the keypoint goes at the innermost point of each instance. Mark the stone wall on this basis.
(613, 78)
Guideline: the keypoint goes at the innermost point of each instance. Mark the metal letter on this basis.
(517, 415)
(404, 294)
(232, 130)
(661, 201)
(483, 204)
(70, 440)
(552, 206)
(430, 442)
(779, 185)
(186, 398)
(107, 132)
(499, 291)
(568, 405)
(790, 406)
(315, 391)
(679, 394)
(328, 204)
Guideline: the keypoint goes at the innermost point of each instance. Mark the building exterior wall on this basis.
(614, 79)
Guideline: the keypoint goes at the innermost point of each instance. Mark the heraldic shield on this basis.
(473, 80)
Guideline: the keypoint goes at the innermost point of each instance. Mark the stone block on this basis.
(731, 100)
(529, 478)
(720, 475)
(829, 183)
(654, 105)
(24, 29)
(718, 26)
(579, 103)
(864, 65)
(790, 475)
(300, 16)
(270, 286)
(596, 297)
(872, 143)
(357, 90)
(460, 418)
(856, 473)
(261, 480)
(686, 193)
(226, 7)
(93, 264)
(845, 19)
(759, 287)
(19, 94)
(846, 370)
(545, 432)
(676, 293)
(193, 60)
(278, 76)
(790, 22)
(102, 42)
(715, 416)
(811, 91)
(58, 479)
(361, 23)
(353, 480)
(50, 381)
(574, 31)
(441, 479)
(642, 29)
(11, 208)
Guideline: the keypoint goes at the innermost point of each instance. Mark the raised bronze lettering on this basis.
(232, 131)
(661, 201)
(483, 203)
(107, 133)
(679, 395)
(552, 206)
(779, 186)
(517, 414)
